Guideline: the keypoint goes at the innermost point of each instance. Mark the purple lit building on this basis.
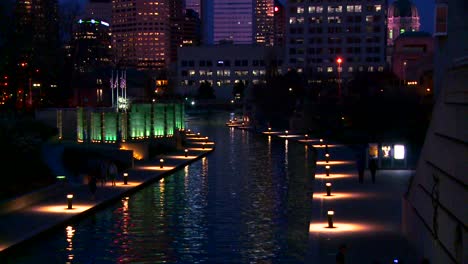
(238, 21)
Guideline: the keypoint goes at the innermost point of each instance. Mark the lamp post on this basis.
(161, 163)
(70, 201)
(328, 187)
(327, 157)
(330, 218)
(339, 61)
(321, 142)
(186, 152)
(327, 170)
(203, 145)
(125, 178)
(404, 73)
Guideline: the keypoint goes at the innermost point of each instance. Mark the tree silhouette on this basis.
(206, 91)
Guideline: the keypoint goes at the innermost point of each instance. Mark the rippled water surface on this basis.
(247, 202)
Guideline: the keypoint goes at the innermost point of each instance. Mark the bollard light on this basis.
(328, 186)
(306, 135)
(198, 134)
(186, 151)
(327, 157)
(330, 218)
(161, 163)
(204, 143)
(269, 129)
(321, 142)
(286, 132)
(70, 201)
(327, 170)
(125, 178)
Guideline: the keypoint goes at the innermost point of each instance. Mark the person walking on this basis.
(340, 255)
(360, 163)
(92, 184)
(112, 173)
(373, 168)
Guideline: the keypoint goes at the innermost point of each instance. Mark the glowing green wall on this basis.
(142, 121)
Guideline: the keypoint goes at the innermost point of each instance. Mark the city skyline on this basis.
(425, 8)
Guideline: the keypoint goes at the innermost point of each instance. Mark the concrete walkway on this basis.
(29, 222)
(367, 216)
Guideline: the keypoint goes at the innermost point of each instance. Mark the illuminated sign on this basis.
(386, 151)
(93, 21)
(399, 152)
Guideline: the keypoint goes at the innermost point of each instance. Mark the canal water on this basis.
(247, 202)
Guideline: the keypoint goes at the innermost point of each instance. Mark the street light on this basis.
(161, 163)
(328, 187)
(70, 200)
(339, 61)
(327, 170)
(330, 218)
(327, 157)
(125, 178)
(186, 151)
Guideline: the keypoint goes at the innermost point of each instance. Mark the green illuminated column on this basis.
(96, 127)
(110, 126)
(158, 120)
(80, 124)
(170, 117)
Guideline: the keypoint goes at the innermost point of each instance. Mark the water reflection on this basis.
(247, 202)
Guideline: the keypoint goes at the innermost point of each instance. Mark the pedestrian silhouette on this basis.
(360, 167)
(340, 255)
(112, 172)
(92, 186)
(373, 168)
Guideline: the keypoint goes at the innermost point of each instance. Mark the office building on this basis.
(223, 66)
(141, 33)
(319, 33)
(99, 9)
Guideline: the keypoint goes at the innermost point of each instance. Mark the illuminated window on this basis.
(300, 10)
(378, 8)
(402, 31)
(329, 69)
(357, 8)
(399, 152)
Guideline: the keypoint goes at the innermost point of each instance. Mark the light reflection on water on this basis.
(247, 202)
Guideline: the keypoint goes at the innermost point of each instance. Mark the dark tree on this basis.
(206, 91)
(238, 89)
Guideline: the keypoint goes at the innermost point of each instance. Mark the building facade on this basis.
(99, 9)
(403, 17)
(195, 5)
(141, 33)
(222, 66)
(279, 24)
(238, 21)
(434, 208)
(318, 33)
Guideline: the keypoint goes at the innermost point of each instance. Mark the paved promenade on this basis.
(29, 222)
(367, 216)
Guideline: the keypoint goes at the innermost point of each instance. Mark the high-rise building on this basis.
(279, 24)
(264, 19)
(195, 5)
(141, 33)
(176, 18)
(336, 37)
(37, 29)
(99, 9)
(191, 30)
(91, 44)
(403, 17)
(238, 21)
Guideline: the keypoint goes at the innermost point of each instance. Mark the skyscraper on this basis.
(141, 33)
(195, 5)
(99, 9)
(333, 37)
(238, 21)
(279, 24)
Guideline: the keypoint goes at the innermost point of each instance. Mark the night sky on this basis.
(425, 8)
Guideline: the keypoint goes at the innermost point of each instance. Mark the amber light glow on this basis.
(342, 227)
(62, 209)
(334, 162)
(202, 149)
(155, 168)
(333, 176)
(289, 136)
(339, 195)
(329, 145)
(180, 157)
